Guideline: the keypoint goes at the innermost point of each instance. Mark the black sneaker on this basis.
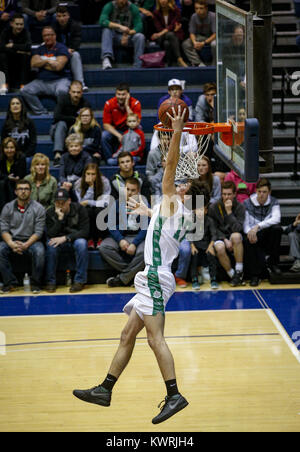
(56, 162)
(97, 395)
(255, 281)
(172, 405)
(115, 281)
(35, 289)
(237, 279)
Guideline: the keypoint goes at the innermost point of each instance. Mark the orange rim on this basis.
(200, 128)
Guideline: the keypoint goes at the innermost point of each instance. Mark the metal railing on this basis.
(285, 89)
(295, 175)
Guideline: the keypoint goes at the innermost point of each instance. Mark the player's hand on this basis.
(137, 207)
(177, 119)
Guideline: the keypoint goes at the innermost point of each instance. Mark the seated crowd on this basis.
(45, 37)
(51, 219)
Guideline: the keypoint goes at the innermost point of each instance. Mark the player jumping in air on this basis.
(154, 285)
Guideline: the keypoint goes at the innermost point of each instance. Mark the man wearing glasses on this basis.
(22, 224)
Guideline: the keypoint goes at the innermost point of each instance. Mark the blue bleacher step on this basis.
(95, 76)
(107, 171)
(43, 122)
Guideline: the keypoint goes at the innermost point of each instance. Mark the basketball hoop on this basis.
(194, 143)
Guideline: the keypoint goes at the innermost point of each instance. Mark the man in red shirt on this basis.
(115, 114)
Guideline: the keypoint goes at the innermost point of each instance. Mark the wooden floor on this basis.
(235, 368)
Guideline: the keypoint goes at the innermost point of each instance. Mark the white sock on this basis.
(230, 273)
(239, 266)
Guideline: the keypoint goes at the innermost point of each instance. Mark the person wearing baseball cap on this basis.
(67, 225)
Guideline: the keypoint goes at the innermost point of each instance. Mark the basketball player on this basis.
(154, 286)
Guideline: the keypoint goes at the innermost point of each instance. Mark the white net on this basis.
(193, 146)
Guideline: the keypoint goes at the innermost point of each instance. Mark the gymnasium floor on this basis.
(236, 354)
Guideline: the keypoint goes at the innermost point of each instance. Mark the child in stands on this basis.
(133, 141)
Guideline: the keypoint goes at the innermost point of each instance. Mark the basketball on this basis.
(167, 107)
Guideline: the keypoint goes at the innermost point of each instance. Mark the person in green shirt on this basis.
(43, 185)
(122, 26)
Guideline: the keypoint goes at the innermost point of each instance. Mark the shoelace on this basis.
(164, 400)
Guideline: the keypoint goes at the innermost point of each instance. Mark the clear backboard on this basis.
(235, 95)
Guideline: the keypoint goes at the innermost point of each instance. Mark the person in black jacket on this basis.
(20, 126)
(15, 53)
(68, 31)
(67, 226)
(65, 114)
(12, 169)
(87, 126)
(73, 162)
(229, 215)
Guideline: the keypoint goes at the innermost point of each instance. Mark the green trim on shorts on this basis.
(156, 291)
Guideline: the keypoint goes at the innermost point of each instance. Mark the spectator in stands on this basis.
(233, 57)
(93, 192)
(202, 249)
(73, 162)
(122, 25)
(175, 89)
(50, 59)
(154, 171)
(66, 111)
(133, 141)
(7, 10)
(38, 14)
(293, 231)
(200, 47)
(243, 189)
(87, 126)
(15, 53)
(229, 215)
(12, 168)
(114, 118)
(126, 170)
(124, 250)
(43, 185)
(204, 110)
(68, 32)
(67, 226)
(168, 31)
(22, 225)
(20, 126)
(187, 10)
(145, 8)
(184, 256)
(213, 181)
(263, 230)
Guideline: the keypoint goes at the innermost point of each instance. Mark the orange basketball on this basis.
(167, 107)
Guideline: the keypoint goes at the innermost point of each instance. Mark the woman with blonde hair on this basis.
(90, 130)
(168, 30)
(43, 184)
(93, 191)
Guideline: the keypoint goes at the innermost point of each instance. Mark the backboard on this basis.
(235, 95)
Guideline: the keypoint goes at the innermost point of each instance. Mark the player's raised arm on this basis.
(168, 182)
